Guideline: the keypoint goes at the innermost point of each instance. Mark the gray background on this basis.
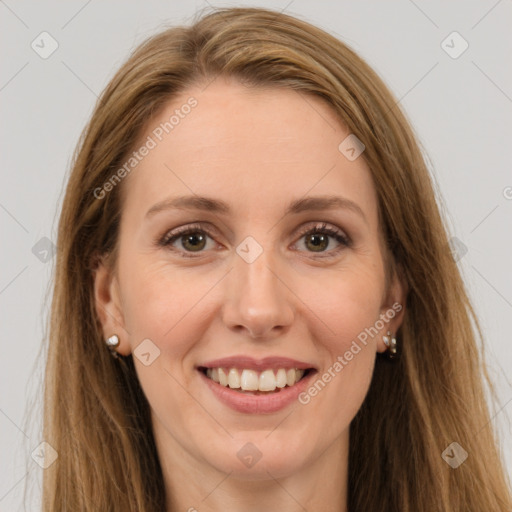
(460, 109)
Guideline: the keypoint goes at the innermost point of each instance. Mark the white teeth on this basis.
(251, 380)
(281, 378)
(267, 381)
(233, 378)
(223, 378)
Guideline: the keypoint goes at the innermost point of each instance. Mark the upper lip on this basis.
(250, 363)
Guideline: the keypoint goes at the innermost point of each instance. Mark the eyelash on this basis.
(324, 229)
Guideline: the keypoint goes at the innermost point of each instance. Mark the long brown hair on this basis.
(95, 413)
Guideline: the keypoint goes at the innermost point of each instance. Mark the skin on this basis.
(257, 150)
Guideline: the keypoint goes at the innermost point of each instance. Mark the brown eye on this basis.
(317, 242)
(192, 240)
(319, 238)
(186, 240)
(195, 241)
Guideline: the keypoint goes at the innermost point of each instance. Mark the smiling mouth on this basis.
(254, 382)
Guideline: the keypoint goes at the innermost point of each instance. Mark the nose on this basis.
(257, 298)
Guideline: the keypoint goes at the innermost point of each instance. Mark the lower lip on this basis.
(257, 404)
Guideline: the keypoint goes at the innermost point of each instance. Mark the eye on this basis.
(317, 239)
(193, 238)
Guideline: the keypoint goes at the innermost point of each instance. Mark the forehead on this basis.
(253, 148)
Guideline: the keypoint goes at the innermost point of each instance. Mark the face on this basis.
(264, 275)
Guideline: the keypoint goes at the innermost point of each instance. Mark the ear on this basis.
(392, 311)
(109, 307)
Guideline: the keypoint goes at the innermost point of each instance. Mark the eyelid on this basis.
(183, 230)
(324, 226)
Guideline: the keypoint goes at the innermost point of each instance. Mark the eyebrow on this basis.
(312, 203)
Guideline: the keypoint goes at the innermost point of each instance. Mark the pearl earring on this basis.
(390, 342)
(112, 343)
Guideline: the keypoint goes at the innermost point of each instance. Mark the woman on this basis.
(250, 230)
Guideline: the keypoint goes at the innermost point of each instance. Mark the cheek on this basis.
(352, 304)
(164, 304)
(341, 397)
(352, 309)
(161, 305)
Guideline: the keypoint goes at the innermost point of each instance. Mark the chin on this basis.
(257, 457)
